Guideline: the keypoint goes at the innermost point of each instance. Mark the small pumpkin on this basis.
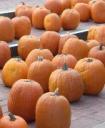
(65, 4)
(33, 55)
(70, 19)
(53, 111)
(74, 2)
(39, 67)
(5, 53)
(92, 43)
(13, 70)
(22, 26)
(7, 32)
(52, 22)
(60, 59)
(38, 16)
(26, 44)
(78, 48)
(23, 97)
(12, 121)
(50, 40)
(93, 74)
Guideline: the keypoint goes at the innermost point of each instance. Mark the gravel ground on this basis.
(10, 4)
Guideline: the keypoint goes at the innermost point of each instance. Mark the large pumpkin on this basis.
(26, 44)
(33, 55)
(68, 81)
(12, 121)
(50, 40)
(23, 97)
(74, 2)
(7, 32)
(22, 26)
(93, 74)
(37, 69)
(13, 70)
(53, 111)
(76, 47)
(5, 53)
(60, 59)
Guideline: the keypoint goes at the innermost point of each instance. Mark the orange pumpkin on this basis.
(22, 26)
(78, 48)
(91, 33)
(84, 11)
(70, 19)
(7, 32)
(68, 81)
(74, 2)
(38, 16)
(25, 92)
(5, 53)
(92, 43)
(26, 44)
(53, 111)
(60, 59)
(52, 22)
(12, 121)
(24, 10)
(13, 70)
(39, 67)
(1, 113)
(33, 55)
(50, 40)
(93, 75)
(63, 39)
(65, 4)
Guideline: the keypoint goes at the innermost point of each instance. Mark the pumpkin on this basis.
(38, 16)
(52, 22)
(84, 11)
(7, 32)
(22, 26)
(65, 4)
(98, 52)
(92, 43)
(70, 19)
(12, 121)
(60, 59)
(78, 48)
(54, 6)
(96, 9)
(91, 33)
(39, 67)
(33, 55)
(5, 53)
(1, 113)
(74, 2)
(53, 111)
(93, 74)
(13, 70)
(63, 39)
(26, 44)
(68, 81)
(25, 92)
(50, 40)
(24, 10)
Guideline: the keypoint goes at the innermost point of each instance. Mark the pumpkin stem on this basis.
(101, 46)
(56, 92)
(89, 60)
(37, 6)
(12, 117)
(65, 67)
(18, 59)
(40, 58)
(23, 3)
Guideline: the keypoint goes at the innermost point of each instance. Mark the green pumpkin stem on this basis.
(89, 60)
(12, 117)
(65, 67)
(18, 59)
(40, 58)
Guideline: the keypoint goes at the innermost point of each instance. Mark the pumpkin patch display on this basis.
(13, 70)
(37, 69)
(50, 40)
(78, 48)
(33, 55)
(60, 59)
(52, 22)
(12, 121)
(38, 16)
(26, 44)
(93, 74)
(74, 2)
(5, 53)
(92, 43)
(7, 32)
(23, 97)
(23, 9)
(68, 81)
(53, 111)
(70, 19)
(22, 26)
